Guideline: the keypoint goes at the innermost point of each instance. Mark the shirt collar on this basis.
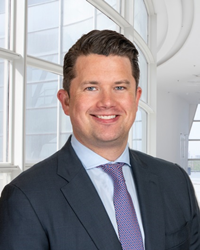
(90, 159)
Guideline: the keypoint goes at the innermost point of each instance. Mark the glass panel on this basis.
(32, 2)
(71, 33)
(2, 23)
(78, 19)
(41, 114)
(141, 19)
(65, 127)
(39, 45)
(43, 29)
(195, 131)
(194, 165)
(194, 150)
(139, 131)
(40, 19)
(5, 178)
(143, 83)
(4, 81)
(76, 11)
(197, 115)
(51, 33)
(1, 107)
(103, 22)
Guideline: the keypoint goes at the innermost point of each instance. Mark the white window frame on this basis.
(17, 54)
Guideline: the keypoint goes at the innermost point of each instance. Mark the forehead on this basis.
(102, 63)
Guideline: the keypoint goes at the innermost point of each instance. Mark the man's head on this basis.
(105, 42)
(102, 69)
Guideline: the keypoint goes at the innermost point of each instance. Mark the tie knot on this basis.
(114, 171)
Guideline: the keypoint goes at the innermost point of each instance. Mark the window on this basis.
(1, 107)
(51, 32)
(41, 113)
(143, 83)
(4, 115)
(141, 19)
(194, 143)
(2, 23)
(32, 123)
(116, 4)
(139, 135)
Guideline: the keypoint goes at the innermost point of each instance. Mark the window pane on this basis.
(2, 23)
(41, 114)
(76, 11)
(5, 178)
(103, 22)
(65, 127)
(194, 150)
(1, 107)
(72, 32)
(194, 165)
(139, 131)
(79, 18)
(4, 82)
(143, 83)
(197, 115)
(43, 22)
(32, 2)
(51, 33)
(141, 19)
(195, 131)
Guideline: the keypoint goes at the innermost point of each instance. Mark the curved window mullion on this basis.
(105, 8)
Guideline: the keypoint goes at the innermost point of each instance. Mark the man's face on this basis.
(103, 100)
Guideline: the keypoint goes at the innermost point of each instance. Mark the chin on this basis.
(108, 139)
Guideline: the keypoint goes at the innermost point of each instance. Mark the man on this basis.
(71, 201)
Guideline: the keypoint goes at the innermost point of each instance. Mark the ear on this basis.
(63, 97)
(138, 95)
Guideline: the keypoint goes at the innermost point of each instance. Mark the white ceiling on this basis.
(178, 44)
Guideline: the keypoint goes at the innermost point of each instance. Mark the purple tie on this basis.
(128, 227)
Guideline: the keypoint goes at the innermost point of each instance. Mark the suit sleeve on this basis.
(20, 227)
(195, 214)
(195, 228)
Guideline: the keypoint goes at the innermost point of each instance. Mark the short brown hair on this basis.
(105, 42)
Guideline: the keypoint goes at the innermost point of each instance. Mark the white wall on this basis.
(173, 119)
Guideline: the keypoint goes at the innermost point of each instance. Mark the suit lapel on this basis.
(151, 205)
(84, 200)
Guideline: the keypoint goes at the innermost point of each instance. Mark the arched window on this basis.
(34, 37)
(194, 143)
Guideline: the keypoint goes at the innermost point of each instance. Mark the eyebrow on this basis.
(122, 81)
(96, 82)
(90, 82)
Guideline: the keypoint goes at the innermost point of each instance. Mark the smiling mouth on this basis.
(106, 117)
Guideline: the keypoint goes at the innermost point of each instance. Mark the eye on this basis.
(91, 88)
(120, 88)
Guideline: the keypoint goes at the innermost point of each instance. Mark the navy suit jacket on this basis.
(54, 206)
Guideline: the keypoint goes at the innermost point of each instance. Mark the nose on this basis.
(106, 99)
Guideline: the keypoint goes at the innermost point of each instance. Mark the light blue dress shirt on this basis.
(103, 182)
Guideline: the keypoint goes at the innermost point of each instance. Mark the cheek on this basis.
(130, 104)
(77, 108)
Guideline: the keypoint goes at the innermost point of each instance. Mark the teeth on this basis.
(106, 116)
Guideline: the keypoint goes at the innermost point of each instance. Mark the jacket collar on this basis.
(84, 200)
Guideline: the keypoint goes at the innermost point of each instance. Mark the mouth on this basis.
(106, 117)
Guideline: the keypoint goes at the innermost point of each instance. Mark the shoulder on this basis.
(37, 174)
(149, 160)
(162, 168)
(173, 180)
